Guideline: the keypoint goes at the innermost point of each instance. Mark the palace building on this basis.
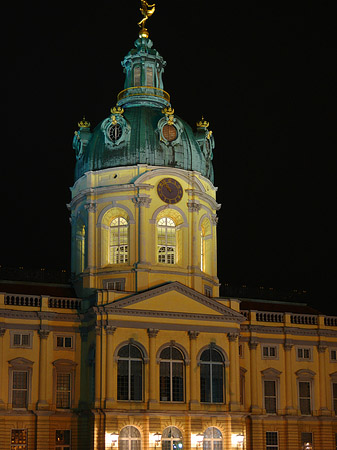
(140, 351)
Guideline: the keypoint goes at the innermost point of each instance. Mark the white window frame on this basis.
(59, 446)
(333, 355)
(129, 439)
(64, 336)
(21, 333)
(269, 348)
(301, 353)
(169, 256)
(310, 397)
(120, 256)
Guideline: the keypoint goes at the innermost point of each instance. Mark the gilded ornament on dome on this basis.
(116, 110)
(147, 11)
(202, 123)
(84, 123)
(169, 113)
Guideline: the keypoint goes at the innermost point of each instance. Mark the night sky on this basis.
(265, 79)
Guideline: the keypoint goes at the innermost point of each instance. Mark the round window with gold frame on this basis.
(169, 132)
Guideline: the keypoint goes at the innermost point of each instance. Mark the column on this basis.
(253, 376)
(214, 219)
(109, 330)
(152, 333)
(2, 367)
(91, 208)
(289, 374)
(42, 402)
(322, 379)
(193, 368)
(98, 332)
(141, 203)
(234, 391)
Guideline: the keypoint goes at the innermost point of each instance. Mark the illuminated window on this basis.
(80, 247)
(212, 439)
(166, 238)
(130, 373)
(129, 439)
(119, 240)
(212, 376)
(205, 246)
(19, 439)
(149, 76)
(306, 441)
(171, 375)
(136, 74)
(62, 440)
(172, 439)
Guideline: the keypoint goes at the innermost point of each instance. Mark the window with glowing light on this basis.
(119, 241)
(129, 439)
(172, 439)
(62, 440)
(80, 247)
(205, 245)
(166, 240)
(212, 439)
(19, 439)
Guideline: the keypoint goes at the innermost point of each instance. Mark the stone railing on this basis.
(37, 301)
(289, 318)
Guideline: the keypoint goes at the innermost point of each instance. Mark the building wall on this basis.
(99, 332)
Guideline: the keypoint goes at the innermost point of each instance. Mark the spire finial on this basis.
(147, 11)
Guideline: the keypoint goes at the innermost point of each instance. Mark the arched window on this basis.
(129, 439)
(171, 375)
(212, 439)
(211, 376)
(136, 76)
(205, 245)
(119, 240)
(80, 246)
(130, 373)
(172, 439)
(166, 238)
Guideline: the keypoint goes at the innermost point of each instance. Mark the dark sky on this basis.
(264, 77)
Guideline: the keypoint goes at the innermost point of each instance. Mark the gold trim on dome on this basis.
(202, 123)
(84, 123)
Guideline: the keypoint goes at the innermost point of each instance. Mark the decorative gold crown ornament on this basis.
(115, 110)
(84, 123)
(169, 113)
(202, 123)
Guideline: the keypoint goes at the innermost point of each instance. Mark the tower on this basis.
(143, 208)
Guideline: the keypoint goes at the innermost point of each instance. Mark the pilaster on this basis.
(153, 398)
(42, 403)
(2, 333)
(109, 331)
(193, 369)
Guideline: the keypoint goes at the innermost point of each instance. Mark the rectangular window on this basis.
(136, 74)
(20, 389)
(306, 441)
(240, 350)
(270, 402)
(269, 351)
(304, 388)
(64, 342)
(333, 355)
(63, 390)
(62, 440)
(208, 291)
(271, 440)
(303, 353)
(19, 440)
(149, 76)
(21, 339)
(334, 396)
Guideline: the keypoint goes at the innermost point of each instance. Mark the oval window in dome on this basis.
(115, 132)
(169, 132)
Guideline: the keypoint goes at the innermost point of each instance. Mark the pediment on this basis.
(174, 300)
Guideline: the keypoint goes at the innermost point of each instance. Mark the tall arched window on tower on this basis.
(166, 239)
(119, 241)
(171, 375)
(212, 380)
(205, 245)
(130, 373)
(80, 246)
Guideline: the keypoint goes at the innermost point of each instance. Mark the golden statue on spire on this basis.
(147, 11)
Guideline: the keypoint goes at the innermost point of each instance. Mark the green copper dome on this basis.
(143, 128)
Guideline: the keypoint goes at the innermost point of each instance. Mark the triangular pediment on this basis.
(174, 300)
